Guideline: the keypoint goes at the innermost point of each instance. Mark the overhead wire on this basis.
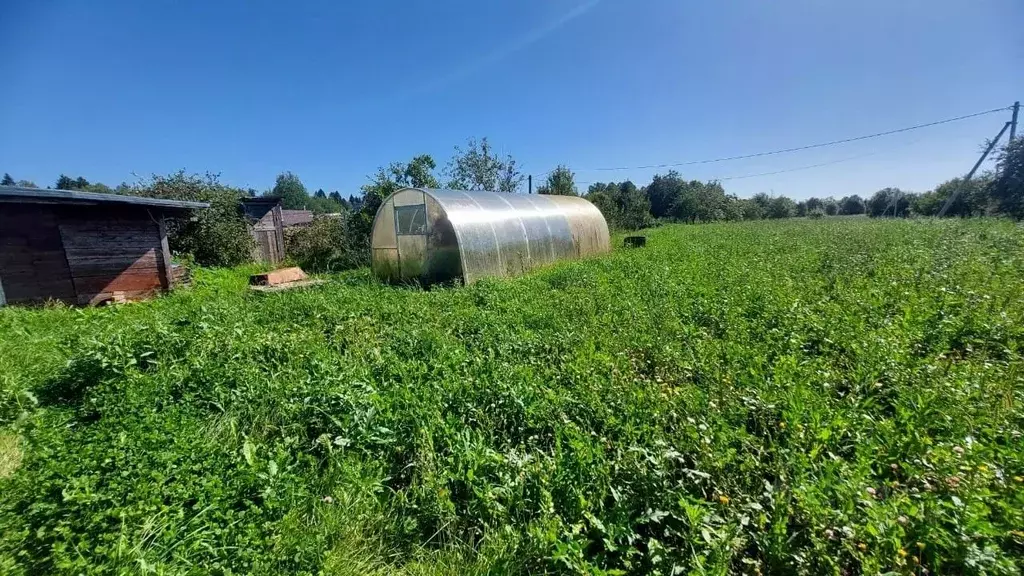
(787, 150)
(786, 170)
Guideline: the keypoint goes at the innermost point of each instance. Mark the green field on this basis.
(841, 396)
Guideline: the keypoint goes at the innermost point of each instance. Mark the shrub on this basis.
(330, 243)
(782, 207)
(623, 205)
(214, 236)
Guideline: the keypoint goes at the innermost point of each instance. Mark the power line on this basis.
(784, 171)
(796, 149)
(795, 169)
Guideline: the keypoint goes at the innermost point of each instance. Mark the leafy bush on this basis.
(214, 236)
(329, 244)
(624, 206)
(781, 207)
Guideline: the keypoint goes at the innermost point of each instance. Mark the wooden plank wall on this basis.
(267, 229)
(80, 254)
(32, 262)
(113, 253)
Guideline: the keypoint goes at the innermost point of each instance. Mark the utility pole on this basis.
(991, 145)
(529, 179)
(1013, 122)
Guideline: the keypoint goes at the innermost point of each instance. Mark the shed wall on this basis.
(113, 253)
(266, 225)
(32, 262)
(80, 254)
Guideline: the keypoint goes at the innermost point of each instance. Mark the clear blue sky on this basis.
(331, 90)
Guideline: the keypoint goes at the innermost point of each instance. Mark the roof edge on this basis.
(46, 195)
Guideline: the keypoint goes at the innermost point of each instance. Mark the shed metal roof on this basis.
(47, 196)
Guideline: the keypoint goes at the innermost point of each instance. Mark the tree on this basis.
(291, 191)
(479, 168)
(1007, 189)
(98, 187)
(663, 193)
(693, 201)
(699, 202)
(971, 198)
(27, 184)
(734, 208)
(338, 199)
(751, 210)
(762, 200)
(7, 181)
(560, 182)
(319, 193)
(830, 206)
(67, 183)
(889, 202)
(623, 205)
(851, 205)
(782, 207)
(417, 173)
(801, 208)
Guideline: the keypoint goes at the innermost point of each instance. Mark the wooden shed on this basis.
(266, 225)
(83, 247)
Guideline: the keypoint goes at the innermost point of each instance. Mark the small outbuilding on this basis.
(83, 247)
(265, 220)
(431, 235)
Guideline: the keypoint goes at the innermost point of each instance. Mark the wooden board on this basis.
(32, 260)
(114, 254)
(282, 276)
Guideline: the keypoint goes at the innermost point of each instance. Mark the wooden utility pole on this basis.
(529, 179)
(1013, 121)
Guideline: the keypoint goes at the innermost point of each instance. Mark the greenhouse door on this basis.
(411, 228)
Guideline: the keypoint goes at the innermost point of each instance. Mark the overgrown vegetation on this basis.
(789, 397)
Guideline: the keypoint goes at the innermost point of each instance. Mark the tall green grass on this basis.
(841, 396)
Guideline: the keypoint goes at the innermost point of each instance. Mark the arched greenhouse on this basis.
(434, 235)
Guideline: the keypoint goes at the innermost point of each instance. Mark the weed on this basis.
(798, 397)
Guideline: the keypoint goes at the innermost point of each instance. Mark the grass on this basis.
(834, 396)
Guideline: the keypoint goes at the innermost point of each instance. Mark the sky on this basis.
(117, 90)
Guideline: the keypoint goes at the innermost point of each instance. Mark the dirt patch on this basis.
(10, 454)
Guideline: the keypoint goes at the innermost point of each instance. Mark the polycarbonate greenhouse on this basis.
(430, 235)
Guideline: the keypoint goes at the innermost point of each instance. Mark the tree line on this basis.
(340, 237)
(671, 198)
